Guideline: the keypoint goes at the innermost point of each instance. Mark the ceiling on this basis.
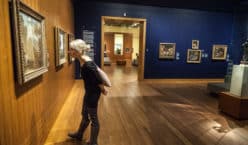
(214, 5)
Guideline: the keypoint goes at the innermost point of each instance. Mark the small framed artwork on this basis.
(194, 56)
(60, 47)
(195, 44)
(219, 52)
(167, 50)
(128, 50)
(70, 38)
(29, 41)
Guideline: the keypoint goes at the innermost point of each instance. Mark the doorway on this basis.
(123, 43)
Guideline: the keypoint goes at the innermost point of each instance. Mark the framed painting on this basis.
(167, 50)
(194, 56)
(195, 44)
(60, 47)
(70, 38)
(128, 50)
(28, 32)
(219, 52)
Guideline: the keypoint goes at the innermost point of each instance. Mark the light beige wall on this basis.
(135, 46)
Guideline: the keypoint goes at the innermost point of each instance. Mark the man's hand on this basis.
(105, 92)
(103, 89)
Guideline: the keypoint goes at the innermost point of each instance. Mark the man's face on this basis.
(73, 53)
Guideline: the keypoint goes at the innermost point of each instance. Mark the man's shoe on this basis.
(76, 136)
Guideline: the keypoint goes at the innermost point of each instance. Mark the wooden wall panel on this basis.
(109, 41)
(128, 43)
(27, 113)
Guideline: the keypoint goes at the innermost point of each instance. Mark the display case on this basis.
(239, 81)
(235, 102)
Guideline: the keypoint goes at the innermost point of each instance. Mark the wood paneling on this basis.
(109, 41)
(28, 112)
(142, 44)
(128, 43)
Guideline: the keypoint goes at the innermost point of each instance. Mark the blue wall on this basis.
(178, 26)
(240, 35)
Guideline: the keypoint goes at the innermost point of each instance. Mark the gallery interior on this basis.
(179, 71)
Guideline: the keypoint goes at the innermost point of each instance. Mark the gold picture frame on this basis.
(60, 46)
(219, 52)
(167, 50)
(30, 51)
(195, 44)
(194, 56)
(70, 38)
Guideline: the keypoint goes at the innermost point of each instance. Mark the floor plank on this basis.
(151, 113)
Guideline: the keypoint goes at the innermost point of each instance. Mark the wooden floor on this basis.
(150, 113)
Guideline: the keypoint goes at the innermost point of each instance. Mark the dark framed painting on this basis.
(194, 56)
(60, 47)
(70, 38)
(219, 52)
(195, 44)
(167, 50)
(28, 32)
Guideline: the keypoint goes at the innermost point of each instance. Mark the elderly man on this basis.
(94, 86)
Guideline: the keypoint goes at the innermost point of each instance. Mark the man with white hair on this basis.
(94, 86)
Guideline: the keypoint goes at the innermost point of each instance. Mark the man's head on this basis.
(79, 45)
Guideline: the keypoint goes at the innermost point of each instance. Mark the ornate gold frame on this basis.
(198, 43)
(167, 57)
(70, 38)
(191, 61)
(17, 7)
(58, 61)
(224, 55)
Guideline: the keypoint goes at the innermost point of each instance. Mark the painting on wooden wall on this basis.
(60, 47)
(70, 38)
(29, 40)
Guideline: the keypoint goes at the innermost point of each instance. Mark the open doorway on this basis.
(123, 44)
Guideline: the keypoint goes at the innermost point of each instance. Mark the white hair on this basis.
(79, 45)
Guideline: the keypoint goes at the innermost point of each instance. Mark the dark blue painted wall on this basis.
(240, 35)
(178, 26)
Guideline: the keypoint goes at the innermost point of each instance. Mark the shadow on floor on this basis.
(71, 142)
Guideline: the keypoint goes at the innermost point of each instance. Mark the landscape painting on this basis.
(29, 42)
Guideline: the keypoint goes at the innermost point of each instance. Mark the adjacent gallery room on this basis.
(178, 72)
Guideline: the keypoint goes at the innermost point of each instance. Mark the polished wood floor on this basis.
(151, 113)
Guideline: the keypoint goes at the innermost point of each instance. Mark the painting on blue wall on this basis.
(219, 52)
(195, 44)
(194, 56)
(167, 50)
